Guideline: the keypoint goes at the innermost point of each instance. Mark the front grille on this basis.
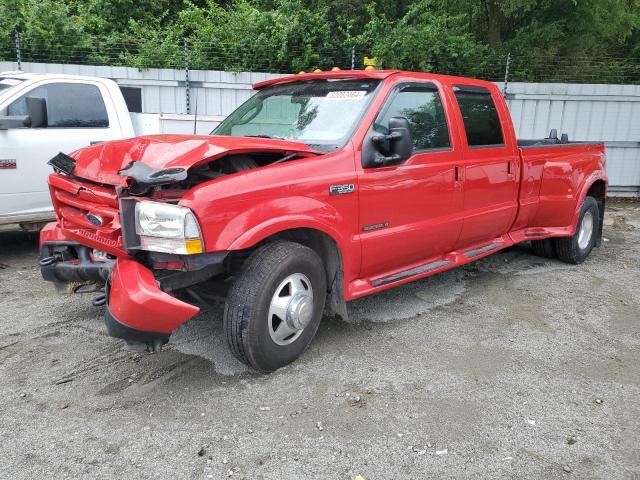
(87, 212)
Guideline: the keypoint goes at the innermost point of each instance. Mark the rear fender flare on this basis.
(586, 185)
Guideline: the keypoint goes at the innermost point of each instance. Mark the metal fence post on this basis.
(186, 76)
(506, 74)
(353, 57)
(18, 52)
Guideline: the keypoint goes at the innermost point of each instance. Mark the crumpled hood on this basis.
(102, 162)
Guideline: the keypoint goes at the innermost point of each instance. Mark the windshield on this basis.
(321, 113)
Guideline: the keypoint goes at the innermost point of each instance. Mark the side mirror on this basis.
(37, 110)
(36, 118)
(14, 121)
(402, 145)
(396, 146)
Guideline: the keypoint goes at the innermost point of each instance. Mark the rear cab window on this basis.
(480, 116)
(69, 105)
(421, 105)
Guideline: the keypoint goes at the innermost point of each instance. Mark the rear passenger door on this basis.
(490, 166)
(411, 212)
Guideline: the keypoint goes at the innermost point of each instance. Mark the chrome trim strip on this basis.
(478, 251)
(411, 272)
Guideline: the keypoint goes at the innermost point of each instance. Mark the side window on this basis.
(133, 98)
(421, 105)
(69, 105)
(480, 117)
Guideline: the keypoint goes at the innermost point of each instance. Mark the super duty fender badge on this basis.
(377, 226)
(8, 163)
(342, 189)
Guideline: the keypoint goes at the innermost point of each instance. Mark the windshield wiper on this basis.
(264, 136)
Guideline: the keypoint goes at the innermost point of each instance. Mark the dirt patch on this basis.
(481, 372)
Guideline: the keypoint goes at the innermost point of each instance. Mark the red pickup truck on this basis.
(321, 188)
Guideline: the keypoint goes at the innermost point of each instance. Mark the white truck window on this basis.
(69, 105)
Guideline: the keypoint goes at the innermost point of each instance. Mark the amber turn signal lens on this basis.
(193, 246)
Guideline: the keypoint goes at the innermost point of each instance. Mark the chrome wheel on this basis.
(586, 230)
(291, 309)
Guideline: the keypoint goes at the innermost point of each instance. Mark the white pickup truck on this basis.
(43, 114)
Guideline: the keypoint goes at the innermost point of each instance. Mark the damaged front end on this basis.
(120, 226)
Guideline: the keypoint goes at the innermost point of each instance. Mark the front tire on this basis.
(275, 305)
(577, 248)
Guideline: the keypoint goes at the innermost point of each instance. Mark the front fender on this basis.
(276, 225)
(239, 211)
(247, 227)
(257, 227)
(249, 223)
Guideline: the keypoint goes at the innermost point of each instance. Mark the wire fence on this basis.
(236, 57)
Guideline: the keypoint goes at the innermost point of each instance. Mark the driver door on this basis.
(410, 213)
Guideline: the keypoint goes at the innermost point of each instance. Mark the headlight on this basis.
(167, 228)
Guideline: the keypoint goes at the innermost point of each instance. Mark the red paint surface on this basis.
(102, 162)
(137, 302)
(52, 232)
(505, 195)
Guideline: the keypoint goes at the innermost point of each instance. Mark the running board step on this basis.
(411, 272)
(479, 251)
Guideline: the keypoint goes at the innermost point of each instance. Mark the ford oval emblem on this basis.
(95, 219)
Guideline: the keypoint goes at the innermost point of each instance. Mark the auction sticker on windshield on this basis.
(346, 95)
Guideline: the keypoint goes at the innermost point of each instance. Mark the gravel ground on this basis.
(511, 367)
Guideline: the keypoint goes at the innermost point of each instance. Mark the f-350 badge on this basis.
(342, 189)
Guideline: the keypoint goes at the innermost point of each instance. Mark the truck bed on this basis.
(549, 142)
(549, 194)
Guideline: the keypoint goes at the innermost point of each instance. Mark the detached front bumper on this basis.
(137, 310)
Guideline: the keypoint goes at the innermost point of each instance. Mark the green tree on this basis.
(548, 39)
(426, 38)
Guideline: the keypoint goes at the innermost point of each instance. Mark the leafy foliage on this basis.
(548, 39)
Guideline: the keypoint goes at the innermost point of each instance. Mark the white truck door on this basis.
(77, 116)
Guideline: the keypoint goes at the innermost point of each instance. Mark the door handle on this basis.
(457, 176)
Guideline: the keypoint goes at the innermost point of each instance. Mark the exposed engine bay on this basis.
(145, 177)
